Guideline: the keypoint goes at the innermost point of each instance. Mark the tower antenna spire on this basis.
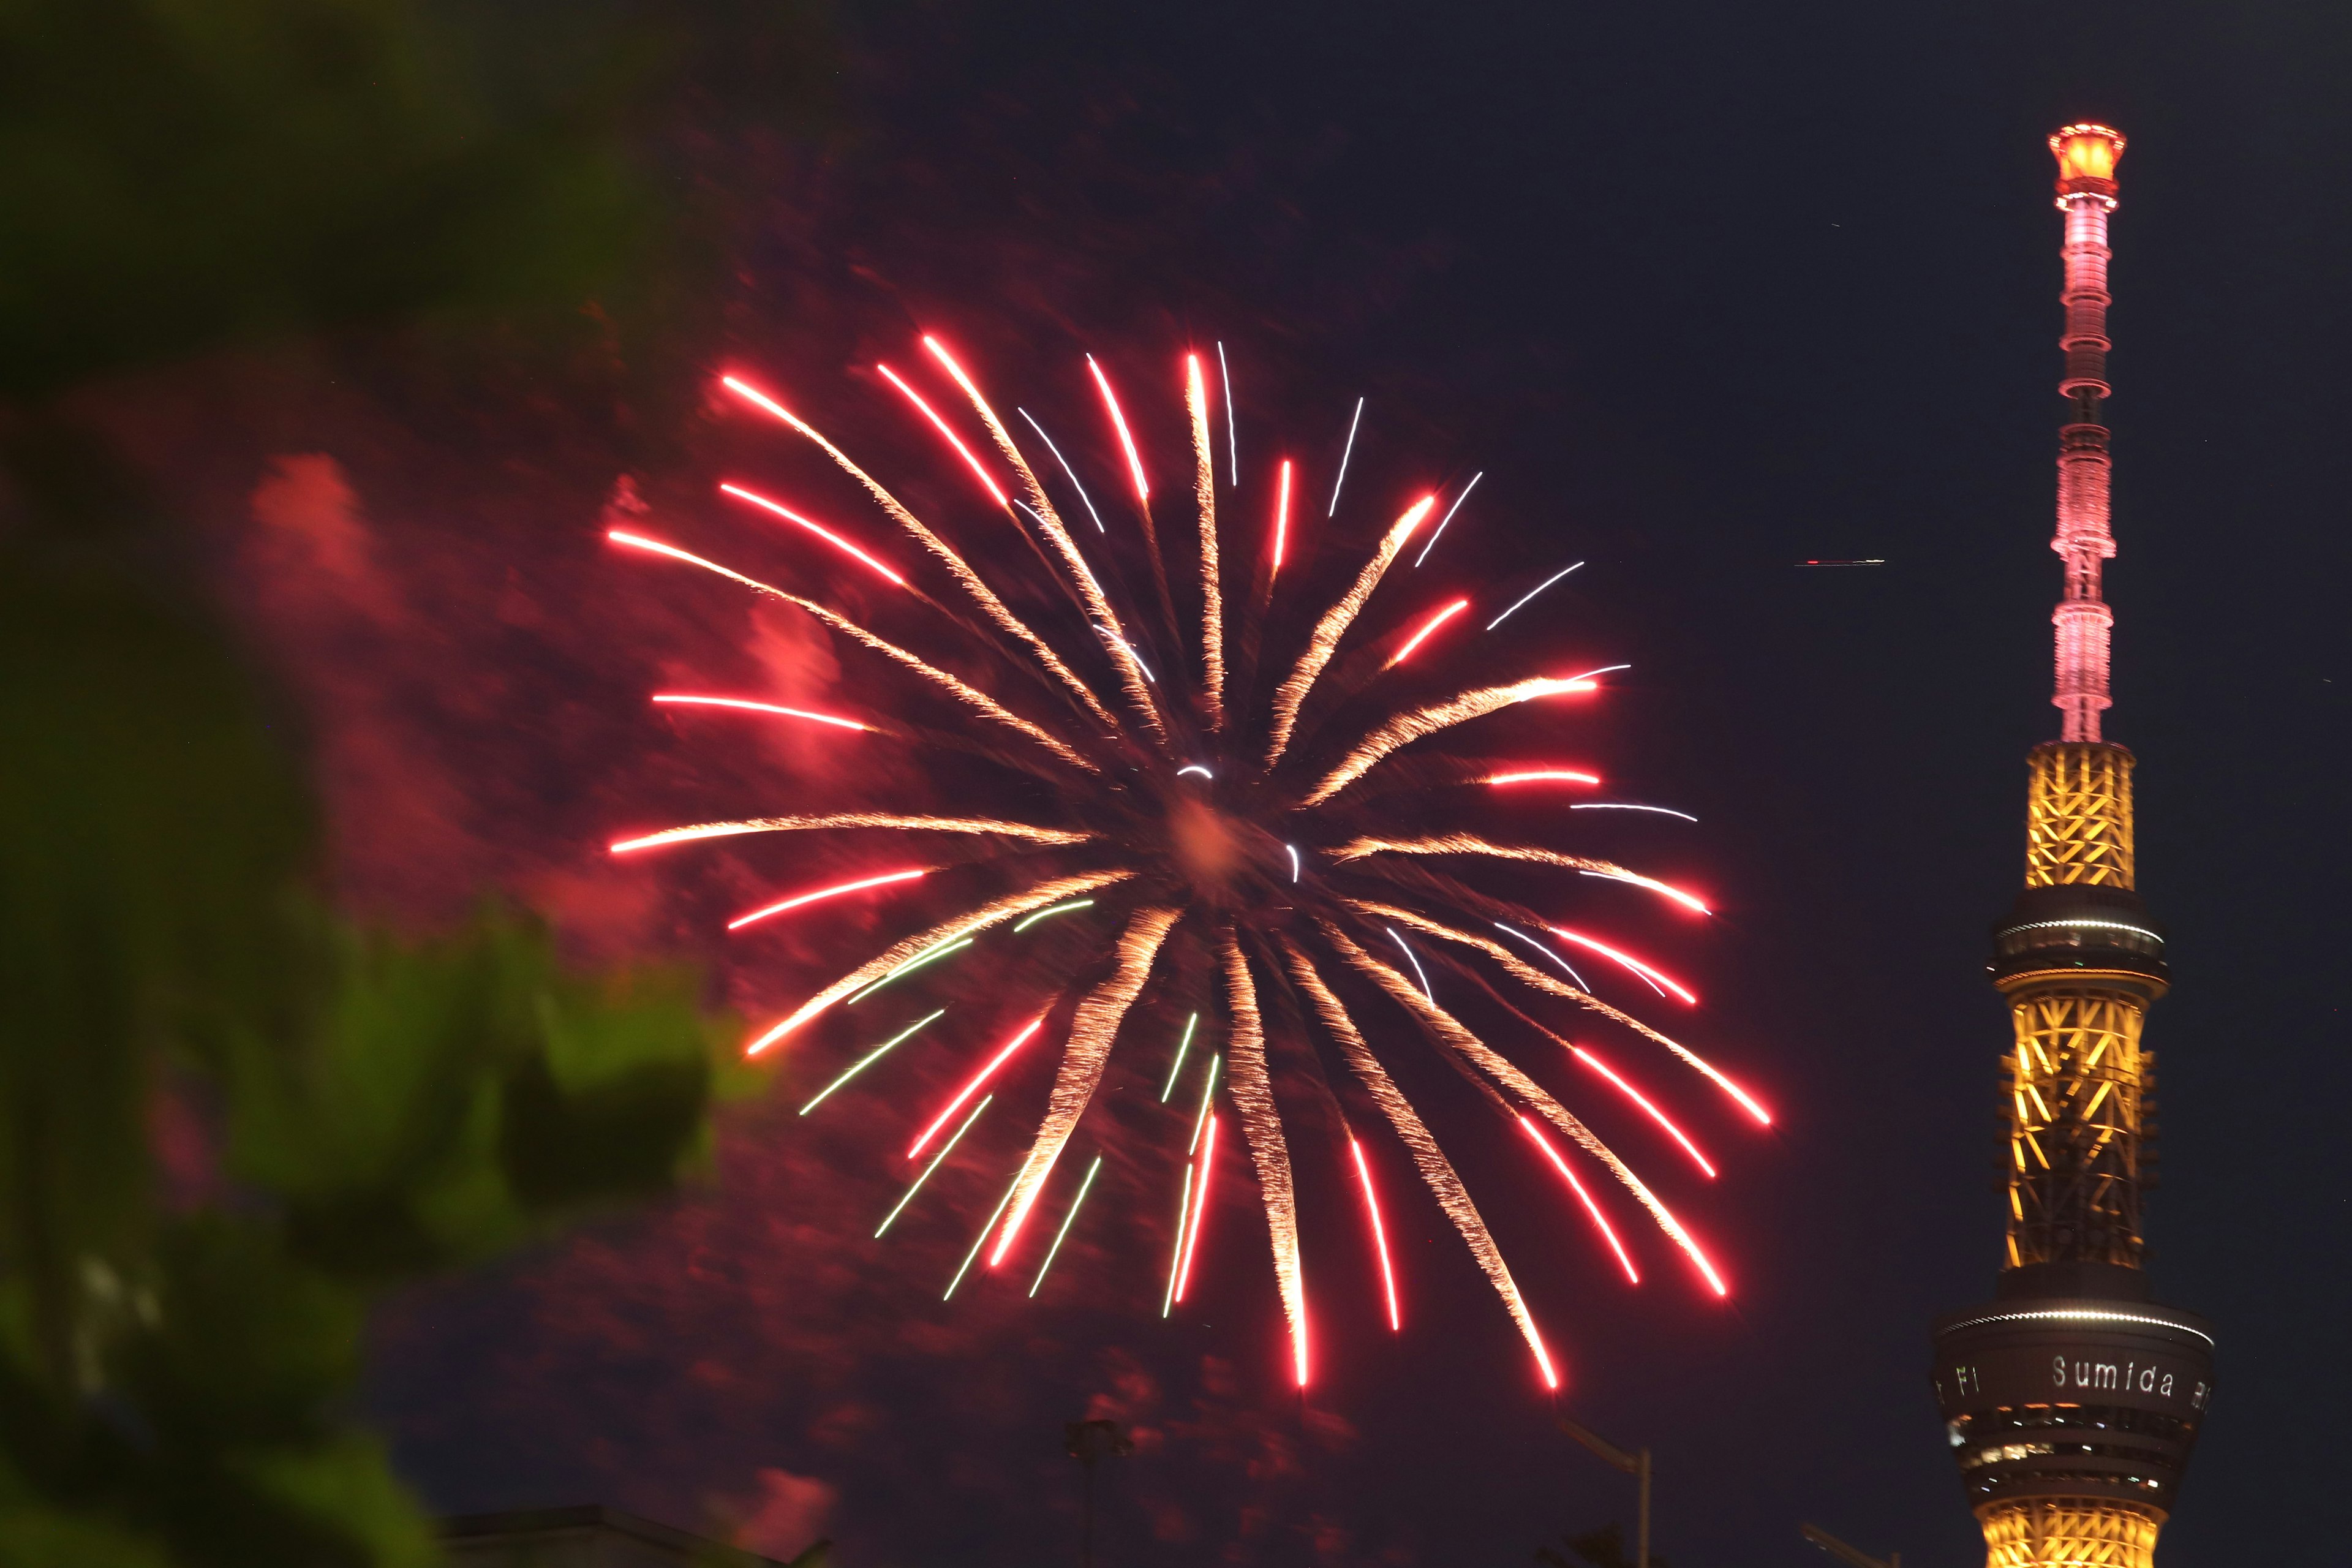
(2086, 194)
(2071, 1399)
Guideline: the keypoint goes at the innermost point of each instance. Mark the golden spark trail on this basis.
(1252, 1095)
(1436, 1171)
(1506, 1073)
(1204, 501)
(966, 578)
(1467, 844)
(849, 819)
(799, 901)
(1407, 728)
(1042, 508)
(1528, 975)
(1292, 694)
(1092, 1031)
(1010, 907)
(939, 678)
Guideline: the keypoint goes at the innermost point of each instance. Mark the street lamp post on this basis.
(1634, 1462)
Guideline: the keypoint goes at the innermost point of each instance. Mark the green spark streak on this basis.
(1027, 921)
(908, 967)
(937, 1160)
(866, 1061)
(1181, 1047)
(1068, 1220)
(1208, 1088)
(1176, 1259)
(982, 1239)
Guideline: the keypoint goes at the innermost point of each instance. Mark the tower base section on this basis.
(2069, 1532)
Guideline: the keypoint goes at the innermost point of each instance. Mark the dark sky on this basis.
(1705, 289)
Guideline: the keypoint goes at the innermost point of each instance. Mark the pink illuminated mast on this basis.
(2086, 194)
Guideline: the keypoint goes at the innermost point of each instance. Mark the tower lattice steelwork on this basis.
(2072, 1400)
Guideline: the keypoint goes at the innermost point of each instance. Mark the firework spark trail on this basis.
(939, 678)
(929, 955)
(1253, 1096)
(1416, 962)
(1232, 441)
(1292, 694)
(978, 1079)
(1504, 1072)
(690, 700)
(1204, 501)
(1208, 1093)
(1538, 588)
(1543, 775)
(1638, 1098)
(1442, 522)
(1600, 1220)
(701, 830)
(1069, 472)
(1010, 907)
(797, 899)
(1566, 968)
(1421, 637)
(1200, 1210)
(1436, 1171)
(1471, 843)
(1067, 1220)
(1537, 978)
(1629, 805)
(870, 1058)
(938, 1160)
(1345, 453)
(1026, 922)
(971, 459)
(1407, 728)
(1125, 441)
(740, 493)
(1660, 981)
(1041, 507)
(1177, 1066)
(958, 568)
(978, 1242)
(1620, 874)
(1281, 520)
(1176, 1253)
(1092, 1031)
(1379, 1235)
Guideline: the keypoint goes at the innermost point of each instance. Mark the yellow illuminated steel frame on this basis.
(2069, 1532)
(2078, 815)
(2076, 1082)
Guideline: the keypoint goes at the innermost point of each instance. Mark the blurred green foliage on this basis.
(230, 1120)
(179, 173)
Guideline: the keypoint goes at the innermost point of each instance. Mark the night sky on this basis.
(1705, 290)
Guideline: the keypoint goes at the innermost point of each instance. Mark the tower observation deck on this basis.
(2072, 1400)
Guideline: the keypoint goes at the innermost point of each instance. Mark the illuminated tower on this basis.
(2072, 1400)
